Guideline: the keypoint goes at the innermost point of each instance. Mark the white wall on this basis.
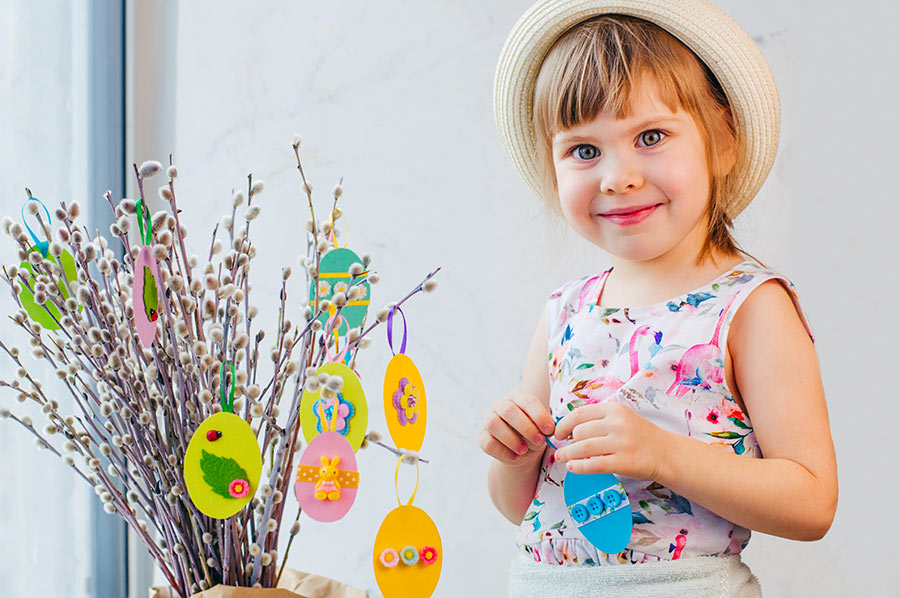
(395, 96)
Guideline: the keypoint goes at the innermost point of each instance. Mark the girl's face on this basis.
(607, 169)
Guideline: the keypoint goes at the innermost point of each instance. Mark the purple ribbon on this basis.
(390, 330)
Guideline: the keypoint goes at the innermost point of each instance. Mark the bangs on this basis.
(597, 66)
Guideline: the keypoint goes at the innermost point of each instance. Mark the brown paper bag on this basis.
(293, 584)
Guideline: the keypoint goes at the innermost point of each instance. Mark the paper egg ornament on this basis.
(352, 413)
(37, 312)
(222, 465)
(404, 403)
(327, 477)
(334, 277)
(599, 506)
(408, 555)
(145, 295)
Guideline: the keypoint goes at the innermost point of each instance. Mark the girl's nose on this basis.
(620, 175)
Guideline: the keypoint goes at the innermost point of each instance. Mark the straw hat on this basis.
(703, 27)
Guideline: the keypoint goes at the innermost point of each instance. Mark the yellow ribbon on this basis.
(328, 425)
(334, 236)
(397, 488)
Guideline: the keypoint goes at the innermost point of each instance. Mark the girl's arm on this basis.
(792, 491)
(513, 433)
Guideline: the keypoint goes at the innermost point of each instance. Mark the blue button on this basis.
(579, 513)
(611, 498)
(595, 505)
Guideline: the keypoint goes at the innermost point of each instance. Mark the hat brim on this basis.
(708, 31)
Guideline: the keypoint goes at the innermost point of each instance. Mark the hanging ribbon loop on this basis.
(328, 424)
(341, 355)
(143, 214)
(42, 246)
(227, 406)
(390, 329)
(397, 487)
(333, 235)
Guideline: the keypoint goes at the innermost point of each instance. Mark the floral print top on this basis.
(666, 361)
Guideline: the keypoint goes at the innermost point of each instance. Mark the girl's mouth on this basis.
(631, 217)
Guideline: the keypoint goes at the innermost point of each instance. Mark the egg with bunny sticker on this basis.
(327, 477)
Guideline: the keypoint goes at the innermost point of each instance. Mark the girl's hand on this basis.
(612, 438)
(513, 432)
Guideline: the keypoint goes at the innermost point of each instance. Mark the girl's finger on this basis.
(506, 435)
(590, 429)
(536, 411)
(581, 415)
(584, 449)
(596, 464)
(518, 420)
(494, 448)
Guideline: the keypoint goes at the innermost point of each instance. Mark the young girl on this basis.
(687, 369)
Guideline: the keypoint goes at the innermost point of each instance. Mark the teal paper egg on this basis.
(599, 506)
(334, 277)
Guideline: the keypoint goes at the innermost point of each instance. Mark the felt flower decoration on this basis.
(428, 555)
(239, 488)
(405, 402)
(345, 411)
(410, 555)
(389, 557)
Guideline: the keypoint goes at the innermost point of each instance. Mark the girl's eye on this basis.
(590, 154)
(652, 137)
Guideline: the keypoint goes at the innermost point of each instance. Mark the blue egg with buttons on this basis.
(600, 509)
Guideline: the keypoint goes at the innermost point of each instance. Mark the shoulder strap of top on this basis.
(745, 281)
(572, 297)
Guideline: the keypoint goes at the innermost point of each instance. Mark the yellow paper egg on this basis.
(222, 465)
(352, 416)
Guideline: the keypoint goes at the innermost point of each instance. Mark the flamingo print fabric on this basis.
(665, 361)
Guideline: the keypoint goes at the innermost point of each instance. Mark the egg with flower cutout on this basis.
(327, 478)
(407, 555)
(334, 277)
(47, 314)
(405, 403)
(145, 295)
(599, 506)
(317, 414)
(222, 465)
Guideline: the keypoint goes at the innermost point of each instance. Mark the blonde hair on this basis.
(595, 66)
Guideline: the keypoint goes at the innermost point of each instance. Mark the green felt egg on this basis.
(47, 315)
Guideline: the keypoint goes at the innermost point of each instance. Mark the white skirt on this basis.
(697, 577)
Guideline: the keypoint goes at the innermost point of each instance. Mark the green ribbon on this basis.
(227, 407)
(143, 214)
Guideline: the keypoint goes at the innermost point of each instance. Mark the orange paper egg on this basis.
(408, 554)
